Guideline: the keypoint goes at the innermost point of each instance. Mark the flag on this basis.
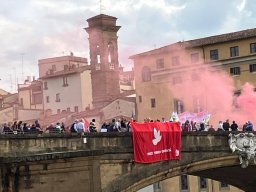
(174, 117)
(156, 141)
(86, 124)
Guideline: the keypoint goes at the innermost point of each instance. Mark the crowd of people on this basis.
(222, 126)
(116, 125)
(78, 126)
(21, 127)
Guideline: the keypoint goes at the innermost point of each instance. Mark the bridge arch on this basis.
(148, 174)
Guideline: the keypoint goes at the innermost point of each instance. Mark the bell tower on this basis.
(102, 32)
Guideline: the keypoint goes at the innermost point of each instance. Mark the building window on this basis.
(202, 183)
(68, 109)
(98, 59)
(111, 51)
(176, 80)
(21, 102)
(178, 106)
(234, 51)
(214, 55)
(194, 57)
(47, 99)
(37, 99)
(65, 81)
(224, 185)
(76, 108)
(253, 47)
(153, 102)
(58, 111)
(57, 97)
(175, 60)
(140, 99)
(159, 63)
(184, 183)
(45, 85)
(235, 71)
(146, 74)
(252, 68)
(197, 105)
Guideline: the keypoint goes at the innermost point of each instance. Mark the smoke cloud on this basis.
(207, 87)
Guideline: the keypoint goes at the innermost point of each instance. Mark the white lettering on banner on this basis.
(177, 152)
(157, 152)
(160, 151)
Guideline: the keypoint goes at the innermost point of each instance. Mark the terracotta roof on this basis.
(90, 112)
(126, 93)
(167, 48)
(244, 34)
(101, 16)
(62, 117)
(3, 92)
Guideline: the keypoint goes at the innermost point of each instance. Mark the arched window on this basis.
(146, 74)
(97, 67)
(111, 56)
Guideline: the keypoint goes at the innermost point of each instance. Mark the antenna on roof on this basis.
(101, 7)
(22, 72)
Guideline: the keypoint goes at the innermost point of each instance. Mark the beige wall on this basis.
(70, 96)
(26, 115)
(7, 115)
(25, 95)
(59, 62)
(86, 89)
(117, 108)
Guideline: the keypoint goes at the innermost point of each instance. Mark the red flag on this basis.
(86, 124)
(156, 141)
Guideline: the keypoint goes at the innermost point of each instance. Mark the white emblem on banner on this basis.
(157, 137)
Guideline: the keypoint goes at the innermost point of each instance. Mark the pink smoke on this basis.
(214, 88)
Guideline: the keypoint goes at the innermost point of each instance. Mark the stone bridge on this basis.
(103, 162)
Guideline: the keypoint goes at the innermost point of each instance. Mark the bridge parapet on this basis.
(109, 142)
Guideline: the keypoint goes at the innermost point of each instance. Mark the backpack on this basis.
(111, 127)
(72, 128)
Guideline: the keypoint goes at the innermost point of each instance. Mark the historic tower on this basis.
(102, 32)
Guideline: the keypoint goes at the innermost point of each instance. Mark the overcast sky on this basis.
(37, 29)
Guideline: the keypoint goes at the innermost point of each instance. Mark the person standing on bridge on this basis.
(92, 126)
(226, 125)
(80, 127)
(220, 126)
(249, 126)
(234, 126)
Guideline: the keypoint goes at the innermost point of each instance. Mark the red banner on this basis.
(156, 141)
